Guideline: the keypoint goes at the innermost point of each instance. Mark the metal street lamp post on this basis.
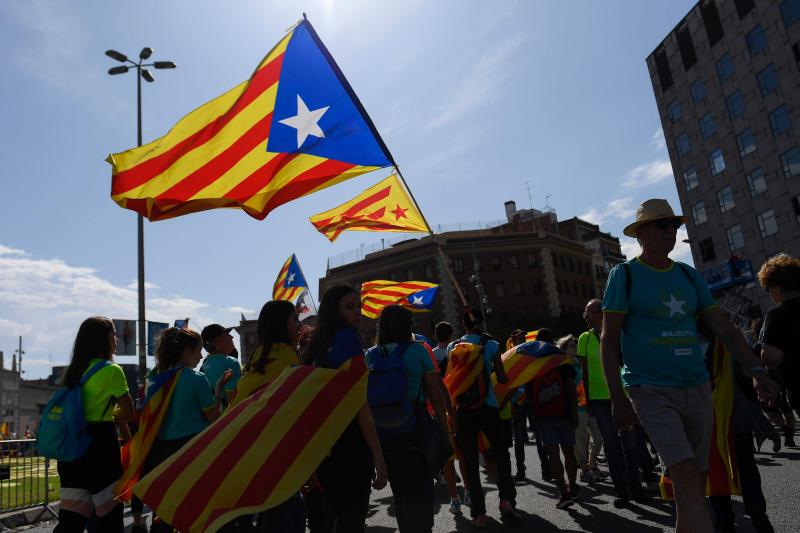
(141, 72)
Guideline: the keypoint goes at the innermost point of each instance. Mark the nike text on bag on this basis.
(62, 430)
(386, 392)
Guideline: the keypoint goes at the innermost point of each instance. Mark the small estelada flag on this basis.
(414, 295)
(386, 206)
(290, 282)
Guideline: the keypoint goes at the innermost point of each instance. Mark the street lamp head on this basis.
(164, 64)
(147, 76)
(122, 69)
(113, 54)
(146, 52)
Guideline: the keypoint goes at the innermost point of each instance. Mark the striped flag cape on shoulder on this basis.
(134, 453)
(464, 366)
(524, 363)
(259, 453)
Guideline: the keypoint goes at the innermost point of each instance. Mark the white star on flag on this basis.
(290, 279)
(417, 300)
(675, 305)
(306, 122)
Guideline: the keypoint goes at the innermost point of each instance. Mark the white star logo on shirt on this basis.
(306, 121)
(290, 279)
(675, 305)
(417, 300)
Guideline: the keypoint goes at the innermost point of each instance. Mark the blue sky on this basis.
(472, 98)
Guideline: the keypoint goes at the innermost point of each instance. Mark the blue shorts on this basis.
(556, 431)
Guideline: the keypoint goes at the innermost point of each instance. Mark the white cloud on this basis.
(45, 300)
(658, 141)
(240, 310)
(682, 251)
(618, 208)
(7, 250)
(134, 285)
(484, 81)
(648, 174)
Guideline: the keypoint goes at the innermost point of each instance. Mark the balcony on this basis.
(729, 274)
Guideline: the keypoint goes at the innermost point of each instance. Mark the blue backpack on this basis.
(62, 430)
(386, 391)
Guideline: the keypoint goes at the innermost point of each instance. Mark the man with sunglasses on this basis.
(650, 315)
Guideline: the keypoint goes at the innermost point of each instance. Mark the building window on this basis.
(767, 223)
(458, 265)
(518, 290)
(496, 263)
(708, 10)
(690, 180)
(499, 289)
(707, 252)
(428, 272)
(699, 213)
(664, 72)
(747, 142)
(735, 238)
(558, 285)
(514, 259)
(791, 162)
(571, 265)
(686, 47)
(768, 80)
(796, 206)
(780, 121)
(726, 201)
(682, 144)
(699, 92)
(756, 40)
(716, 161)
(674, 111)
(735, 103)
(790, 10)
(725, 68)
(707, 125)
(743, 7)
(531, 260)
(756, 182)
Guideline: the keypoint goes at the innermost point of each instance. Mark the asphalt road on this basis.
(594, 513)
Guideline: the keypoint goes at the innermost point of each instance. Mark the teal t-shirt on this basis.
(416, 363)
(185, 416)
(489, 352)
(659, 338)
(215, 365)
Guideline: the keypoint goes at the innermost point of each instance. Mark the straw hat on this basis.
(650, 210)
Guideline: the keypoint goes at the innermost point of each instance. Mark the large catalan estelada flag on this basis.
(258, 453)
(293, 128)
(290, 281)
(524, 363)
(386, 206)
(415, 295)
(159, 393)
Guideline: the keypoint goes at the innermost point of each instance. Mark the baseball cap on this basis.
(211, 332)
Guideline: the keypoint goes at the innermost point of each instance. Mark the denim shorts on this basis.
(556, 431)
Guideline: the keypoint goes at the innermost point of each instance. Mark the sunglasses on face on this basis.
(673, 223)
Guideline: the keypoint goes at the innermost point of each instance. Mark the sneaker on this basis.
(455, 506)
(480, 521)
(619, 503)
(564, 502)
(466, 500)
(587, 476)
(507, 511)
(599, 474)
(520, 476)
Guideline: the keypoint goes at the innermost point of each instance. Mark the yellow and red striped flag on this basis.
(295, 127)
(134, 453)
(383, 207)
(290, 281)
(415, 295)
(259, 452)
(524, 363)
(464, 366)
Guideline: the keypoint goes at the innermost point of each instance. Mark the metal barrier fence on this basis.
(27, 480)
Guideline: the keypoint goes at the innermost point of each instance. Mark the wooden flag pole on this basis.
(435, 242)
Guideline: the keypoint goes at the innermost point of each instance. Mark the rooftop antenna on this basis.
(528, 188)
(547, 203)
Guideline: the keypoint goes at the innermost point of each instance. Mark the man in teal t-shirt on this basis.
(650, 313)
(218, 342)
